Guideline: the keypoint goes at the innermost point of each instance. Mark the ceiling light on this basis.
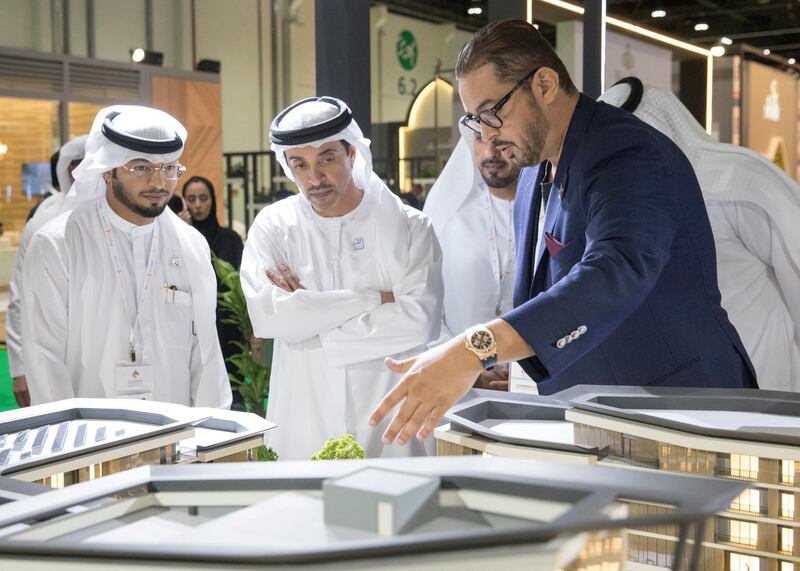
(658, 13)
(701, 27)
(767, 52)
(141, 55)
(718, 51)
(792, 61)
(475, 11)
(727, 41)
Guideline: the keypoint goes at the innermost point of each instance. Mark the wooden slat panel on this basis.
(28, 127)
(198, 105)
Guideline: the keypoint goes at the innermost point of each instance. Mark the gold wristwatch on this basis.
(480, 341)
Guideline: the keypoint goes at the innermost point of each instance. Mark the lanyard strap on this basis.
(148, 277)
(500, 274)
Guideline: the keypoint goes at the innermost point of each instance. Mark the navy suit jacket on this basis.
(624, 290)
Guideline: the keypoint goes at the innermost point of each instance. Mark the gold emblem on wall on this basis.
(776, 153)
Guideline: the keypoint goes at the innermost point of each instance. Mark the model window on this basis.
(787, 505)
(787, 566)
(743, 563)
(744, 466)
(748, 501)
(744, 532)
(787, 471)
(787, 539)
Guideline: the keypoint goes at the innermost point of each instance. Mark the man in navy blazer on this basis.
(616, 269)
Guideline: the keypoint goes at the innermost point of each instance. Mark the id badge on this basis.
(134, 381)
(520, 382)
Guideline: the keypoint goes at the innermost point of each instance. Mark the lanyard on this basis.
(500, 274)
(148, 277)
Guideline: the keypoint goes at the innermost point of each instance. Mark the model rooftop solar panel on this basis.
(61, 437)
(272, 514)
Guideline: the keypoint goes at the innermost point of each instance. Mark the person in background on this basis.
(201, 212)
(418, 194)
(63, 163)
(472, 201)
(754, 209)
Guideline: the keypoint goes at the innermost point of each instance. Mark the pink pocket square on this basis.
(553, 245)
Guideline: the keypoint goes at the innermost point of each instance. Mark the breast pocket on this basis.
(567, 257)
(178, 319)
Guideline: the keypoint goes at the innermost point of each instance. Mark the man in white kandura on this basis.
(120, 295)
(340, 275)
(472, 202)
(69, 156)
(754, 209)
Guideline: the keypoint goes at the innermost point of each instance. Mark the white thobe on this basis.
(760, 286)
(76, 328)
(48, 209)
(478, 260)
(331, 338)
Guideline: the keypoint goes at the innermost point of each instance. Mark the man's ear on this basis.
(546, 84)
(351, 154)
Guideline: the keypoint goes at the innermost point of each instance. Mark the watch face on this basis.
(481, 340)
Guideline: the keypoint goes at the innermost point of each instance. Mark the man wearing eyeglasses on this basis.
(120, 295)
(618, 284)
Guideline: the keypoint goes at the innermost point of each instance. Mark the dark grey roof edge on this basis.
(599, 485)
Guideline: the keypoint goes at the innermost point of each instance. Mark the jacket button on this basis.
(582, 329)
(574, 335)
(561, 343)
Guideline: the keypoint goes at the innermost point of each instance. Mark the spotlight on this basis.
(718, 51)
(475, 11)
(726, 41)
(792, 61)
(658, 13)
(141, 55)
(209, 65)
(700, 27)
(767, 52)
(536, 26)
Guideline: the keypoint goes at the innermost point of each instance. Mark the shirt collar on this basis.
(128, 228)
(581, 117)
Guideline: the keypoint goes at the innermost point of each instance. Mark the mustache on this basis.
(497, 143)
(321, 188)
(494, 163)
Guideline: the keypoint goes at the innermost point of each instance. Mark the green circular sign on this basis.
(407, 52)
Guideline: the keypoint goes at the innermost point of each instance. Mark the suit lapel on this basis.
(529, 223)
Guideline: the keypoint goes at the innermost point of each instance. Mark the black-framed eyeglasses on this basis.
(489, 116)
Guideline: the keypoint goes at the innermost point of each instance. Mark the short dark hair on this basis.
(346, 146)
(54, 169)
(515, 48)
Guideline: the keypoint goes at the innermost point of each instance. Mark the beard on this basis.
(534, 134)
(123, 195)
(490, 172)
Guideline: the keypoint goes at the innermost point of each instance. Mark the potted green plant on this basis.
(253, 380)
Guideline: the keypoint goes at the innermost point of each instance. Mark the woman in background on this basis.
(201, 202)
